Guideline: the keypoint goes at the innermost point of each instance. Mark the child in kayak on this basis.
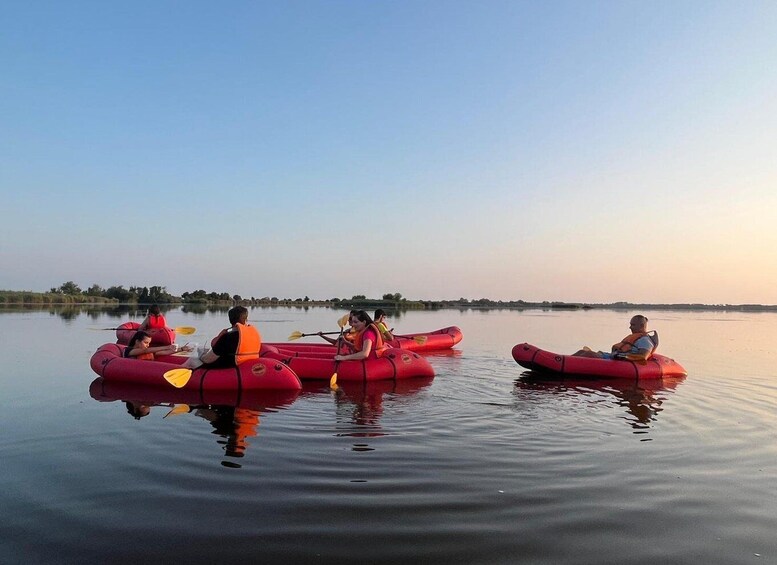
(380, 321)
(139, 347)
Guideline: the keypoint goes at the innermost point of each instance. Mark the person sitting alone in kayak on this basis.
(139, 347)
(367, 343)
(380, 321)
(154, 320)
(232, 346)
(637, 346)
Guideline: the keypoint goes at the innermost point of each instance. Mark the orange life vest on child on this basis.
(248, 345)
(625, 345)
(378, 348)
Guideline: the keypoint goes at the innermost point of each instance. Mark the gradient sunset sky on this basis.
(576, 151)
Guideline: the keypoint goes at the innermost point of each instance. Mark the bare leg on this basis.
(587, 352)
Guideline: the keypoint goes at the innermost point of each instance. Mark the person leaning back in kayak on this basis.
(368, 343)
(232, 346)
(637, 346)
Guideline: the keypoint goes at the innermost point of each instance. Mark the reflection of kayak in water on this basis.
(392, 365)
(642, 398)
(536, 359)
(255, 374)
(362, 403)
(441, 339)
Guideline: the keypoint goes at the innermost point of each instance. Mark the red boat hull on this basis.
(109, 391)
(319, 365)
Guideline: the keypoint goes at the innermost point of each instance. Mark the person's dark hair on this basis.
(362, 316)
(136, 338)
(137, 411)
(236, 314)
(379, 312)
(154, 310)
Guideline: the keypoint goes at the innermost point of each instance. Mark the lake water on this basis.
(479, 465)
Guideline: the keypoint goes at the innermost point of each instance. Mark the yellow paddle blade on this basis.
(185, 330)
(178, 377)
(343, 321)
(333, 382)
(179, 409)
(295, 335)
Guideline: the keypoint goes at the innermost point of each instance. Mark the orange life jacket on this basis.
(249, 344)
(157, 322)
(625, 345)
(378, 348)
(142, 356)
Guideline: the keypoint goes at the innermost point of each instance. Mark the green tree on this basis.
(119, 293)
(94, 290)
(70, 288)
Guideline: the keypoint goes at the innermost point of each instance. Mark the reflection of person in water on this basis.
(235, 425)
(137, 410)
(366, 406)
(641, 400)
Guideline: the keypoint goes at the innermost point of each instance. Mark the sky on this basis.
(577, 151)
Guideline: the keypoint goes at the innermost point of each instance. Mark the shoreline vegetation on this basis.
(70, 294)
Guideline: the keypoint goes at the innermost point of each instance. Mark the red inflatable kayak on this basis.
(257, 374)
(536, 359)
(444, 338)
(163, 336)
(319, 365)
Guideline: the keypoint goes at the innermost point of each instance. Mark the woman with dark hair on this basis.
(154, 320)
(139, 347)
(367, 343)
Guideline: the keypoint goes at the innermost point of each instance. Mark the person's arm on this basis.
(209, 357)
(385, 332)
(157, 350)
(143, 325)
(643, 347)
(327, 338)
(363, 354)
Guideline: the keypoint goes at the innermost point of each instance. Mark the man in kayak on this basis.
(637, 346)
(233, 346)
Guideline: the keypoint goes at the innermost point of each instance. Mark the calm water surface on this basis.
(478, 465)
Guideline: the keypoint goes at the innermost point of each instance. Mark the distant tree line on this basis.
(71, 293)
